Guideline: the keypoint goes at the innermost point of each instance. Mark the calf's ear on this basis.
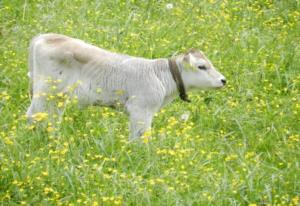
(186, 57)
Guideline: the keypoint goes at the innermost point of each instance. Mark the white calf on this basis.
(142, 85)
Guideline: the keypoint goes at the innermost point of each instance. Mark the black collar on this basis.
(178, 80)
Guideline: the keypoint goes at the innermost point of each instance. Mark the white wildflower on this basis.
(169, 6)
(185, 116)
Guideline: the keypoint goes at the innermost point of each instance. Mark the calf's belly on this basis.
(92, 95)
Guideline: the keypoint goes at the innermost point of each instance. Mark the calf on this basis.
(141, 85)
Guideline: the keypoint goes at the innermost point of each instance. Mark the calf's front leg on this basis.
(140, 120)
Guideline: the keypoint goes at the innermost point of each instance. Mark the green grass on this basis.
(240, 145)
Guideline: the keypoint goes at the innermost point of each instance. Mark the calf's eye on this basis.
(202, 67)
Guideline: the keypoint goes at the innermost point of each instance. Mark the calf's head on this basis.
(198, 71)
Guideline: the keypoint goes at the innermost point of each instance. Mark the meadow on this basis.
(239, 145)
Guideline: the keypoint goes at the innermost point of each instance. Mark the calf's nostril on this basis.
(223, 81)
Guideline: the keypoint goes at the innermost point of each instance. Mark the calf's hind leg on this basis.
(40, 104)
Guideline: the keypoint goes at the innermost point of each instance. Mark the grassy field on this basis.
(240, 145)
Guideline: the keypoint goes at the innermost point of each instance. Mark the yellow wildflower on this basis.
(40, 116)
